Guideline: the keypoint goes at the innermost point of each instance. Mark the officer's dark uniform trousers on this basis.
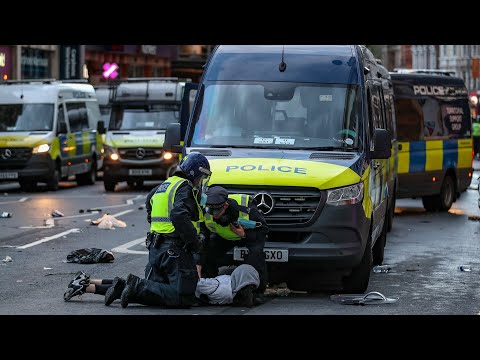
(170, 276)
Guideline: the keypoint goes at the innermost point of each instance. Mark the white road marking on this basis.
(125, 247)
(45, 239)
(14, 201)
(50, 222)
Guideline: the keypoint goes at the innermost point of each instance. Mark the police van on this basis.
(435, 137)
(141, 109)
(48, 132)
(303, 130)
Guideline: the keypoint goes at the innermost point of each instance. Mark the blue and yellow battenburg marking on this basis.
(432, 155)
(78, 143)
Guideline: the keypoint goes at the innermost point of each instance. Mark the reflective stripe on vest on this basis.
(164, 198)
(224, 231)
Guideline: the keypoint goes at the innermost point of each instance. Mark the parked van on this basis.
(141, 109)
(104, 94)
(302, 129)
(435, 137)
(48, 132)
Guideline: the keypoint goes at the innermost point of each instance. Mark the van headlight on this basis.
(110, 153)
(41, 149)
(345, 195)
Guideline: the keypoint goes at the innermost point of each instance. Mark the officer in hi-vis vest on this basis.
(174, 213)
(233, 220)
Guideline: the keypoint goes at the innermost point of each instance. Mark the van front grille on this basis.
(285, 207)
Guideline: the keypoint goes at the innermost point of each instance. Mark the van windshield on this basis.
(26, 117)
(278, 115)
(151, 117)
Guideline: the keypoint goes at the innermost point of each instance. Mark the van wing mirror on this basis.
(172, 138)
(62, 128)
(382, 144)
(101, 127)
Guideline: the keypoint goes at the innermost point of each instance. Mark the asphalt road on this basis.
(423, 250)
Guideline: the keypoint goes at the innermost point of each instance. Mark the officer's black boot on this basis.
(132, 287)
(115, 291)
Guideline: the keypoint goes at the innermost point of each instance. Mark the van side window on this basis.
(377, 110)
(410, 120)
(60, 117)
(77, 116)
(390, 116)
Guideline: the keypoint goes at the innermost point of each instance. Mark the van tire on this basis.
(378, 250)
(109, 183)
(52, 183)
(28, 185)
(442, 201)
(391, 214)
(89, 177)
(357, 281)
(447, 194)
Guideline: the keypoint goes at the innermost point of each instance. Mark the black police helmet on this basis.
(195, 165)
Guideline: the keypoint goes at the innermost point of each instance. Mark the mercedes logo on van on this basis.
(141, 153)
(264, 202)
(7, 154)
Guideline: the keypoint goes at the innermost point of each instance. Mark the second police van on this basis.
(435, 137)
(141, 108)
(303, 130)
(48, 132)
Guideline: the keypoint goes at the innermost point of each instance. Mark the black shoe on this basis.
(77, 286)
(128, 292)
(244, 297)
(114, 292)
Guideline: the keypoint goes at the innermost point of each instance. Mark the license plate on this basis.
(143, 172)
(273, 255)
(8, 175)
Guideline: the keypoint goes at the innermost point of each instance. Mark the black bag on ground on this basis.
(90, 256)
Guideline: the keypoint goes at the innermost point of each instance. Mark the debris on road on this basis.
(381, 269)
(81, 211)
(108, 222)
(57, 213)
(373, 297)
(7, 259)
(465, 268)
(94, 209)
(474, 218)
(47, 268)
(281, 290)
(5, 214)
(141, 207)
(90, 256)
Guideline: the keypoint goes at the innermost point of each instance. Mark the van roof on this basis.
(305, 63)
(43, 92)
(427, 79)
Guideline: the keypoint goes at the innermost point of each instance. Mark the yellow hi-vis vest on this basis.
(162, 204)
(224, 231)
(476, 129)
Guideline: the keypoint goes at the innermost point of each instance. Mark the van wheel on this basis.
(28, 185)
(430, 202)
(109, 183)
(378, 250)
(52, 183)
(357, 281)
(447, 194)
(391, 214)
(89, 177)
(443, 201)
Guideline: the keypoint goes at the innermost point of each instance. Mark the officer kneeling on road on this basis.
(174, 213)
(233, 220)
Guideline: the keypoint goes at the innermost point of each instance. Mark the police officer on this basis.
(476, 137)
(174, 213)
(223, 212)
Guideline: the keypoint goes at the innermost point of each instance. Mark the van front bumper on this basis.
(39, 166)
